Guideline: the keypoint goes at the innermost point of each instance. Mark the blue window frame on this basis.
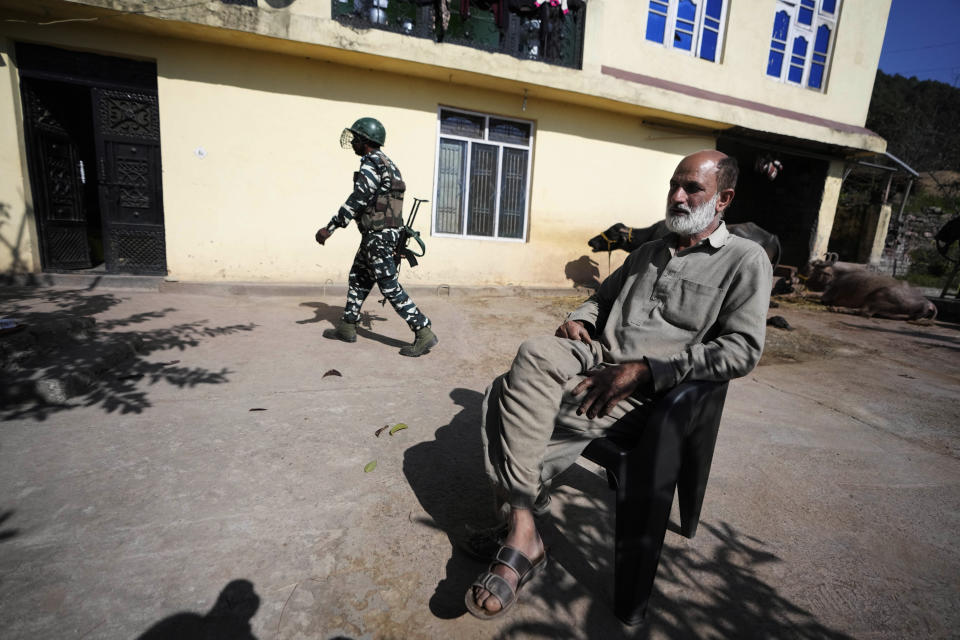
(802, 42)
(778, 44)
(818, 62)
(657, 21)
(797, 59)
(695, 27)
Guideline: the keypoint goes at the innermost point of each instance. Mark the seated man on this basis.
(689, 306)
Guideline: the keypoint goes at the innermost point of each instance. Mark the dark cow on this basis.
(947, 235)
(620, 236)
(820, 273)
(945, 238)
(875, 294)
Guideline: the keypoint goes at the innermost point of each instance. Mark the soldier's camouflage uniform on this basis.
(374, 262)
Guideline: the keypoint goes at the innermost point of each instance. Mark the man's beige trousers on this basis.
(530, 427)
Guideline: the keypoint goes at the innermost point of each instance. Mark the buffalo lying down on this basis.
(871, 294)
(620, 236)
(820, 273)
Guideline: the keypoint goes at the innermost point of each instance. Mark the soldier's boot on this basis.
(346, 331)
(424, 340)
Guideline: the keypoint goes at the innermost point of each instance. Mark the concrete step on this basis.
(83, 280)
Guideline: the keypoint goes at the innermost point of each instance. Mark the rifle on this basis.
(407, 233)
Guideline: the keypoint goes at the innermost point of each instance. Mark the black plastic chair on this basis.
(674, 450)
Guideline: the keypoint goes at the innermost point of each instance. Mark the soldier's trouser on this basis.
(374, 263)
(530, 427)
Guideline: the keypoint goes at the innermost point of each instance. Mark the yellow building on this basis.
(200, 140)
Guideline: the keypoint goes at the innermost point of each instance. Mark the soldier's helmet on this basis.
(368, 129)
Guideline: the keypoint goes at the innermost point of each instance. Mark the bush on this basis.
(928, 268)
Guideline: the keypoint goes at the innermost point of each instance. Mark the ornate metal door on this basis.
(57, 175)
(127, 134)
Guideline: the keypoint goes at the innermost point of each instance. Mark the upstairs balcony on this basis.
(551, 31)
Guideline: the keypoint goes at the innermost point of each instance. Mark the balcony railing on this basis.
(518, 28)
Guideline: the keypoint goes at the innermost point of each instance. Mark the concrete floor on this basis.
(212, 485)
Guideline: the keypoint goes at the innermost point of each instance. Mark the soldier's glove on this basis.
(322, 235)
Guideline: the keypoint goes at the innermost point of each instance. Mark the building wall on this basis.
(613, 40)
(272, 170)
(741, 71)
(18, 247)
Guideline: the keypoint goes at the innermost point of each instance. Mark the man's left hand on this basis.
(322, 235)
(608, 386)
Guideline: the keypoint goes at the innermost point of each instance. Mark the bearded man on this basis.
(689, 306)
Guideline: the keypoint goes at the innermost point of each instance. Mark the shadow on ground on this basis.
(715, 590)
(229, 618)
(62, 359)
(952, 341)
(323, 312)
(6, 534)
(447, 476)
(584, 272)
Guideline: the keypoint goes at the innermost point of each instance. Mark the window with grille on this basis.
(694, 27)
(482, 180)
(802, 42)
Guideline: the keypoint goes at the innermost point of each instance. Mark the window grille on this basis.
(482, 177)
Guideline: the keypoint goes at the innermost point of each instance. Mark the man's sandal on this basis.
(498, 587)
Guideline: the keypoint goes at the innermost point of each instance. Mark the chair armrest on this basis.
(687, 405)
(689, 401)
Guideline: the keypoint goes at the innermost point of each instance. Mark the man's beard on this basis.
(695, 220)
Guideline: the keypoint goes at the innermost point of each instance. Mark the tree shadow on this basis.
(60, 359)
(323, 312)
(584, 272)
(229, 618)
(713, 590)
(20, 303)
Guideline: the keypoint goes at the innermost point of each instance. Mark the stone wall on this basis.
(914, 231)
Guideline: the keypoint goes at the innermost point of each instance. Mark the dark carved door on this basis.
(127, 139)
(58, 176)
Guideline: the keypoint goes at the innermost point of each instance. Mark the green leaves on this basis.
(400, 426)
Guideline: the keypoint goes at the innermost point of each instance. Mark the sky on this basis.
(923, 40)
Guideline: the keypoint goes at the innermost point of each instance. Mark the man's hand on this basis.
(606, 387)
(573, 330)
(322, 235)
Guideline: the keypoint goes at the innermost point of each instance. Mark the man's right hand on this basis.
(574, 330)
(322, 235)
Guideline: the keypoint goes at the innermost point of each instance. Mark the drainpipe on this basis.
(903, 205)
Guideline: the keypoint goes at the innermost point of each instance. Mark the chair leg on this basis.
(643, 510)
(695, 469)
(637, 556)
(692, 483)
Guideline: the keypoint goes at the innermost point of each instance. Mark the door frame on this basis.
(98, 72)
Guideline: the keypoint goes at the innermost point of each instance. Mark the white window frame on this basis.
(671, 28)
(809, 32)
(466, 186)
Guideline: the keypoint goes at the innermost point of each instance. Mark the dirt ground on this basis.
(212, 480)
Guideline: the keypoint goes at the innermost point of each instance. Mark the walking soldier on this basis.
(377, 205)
